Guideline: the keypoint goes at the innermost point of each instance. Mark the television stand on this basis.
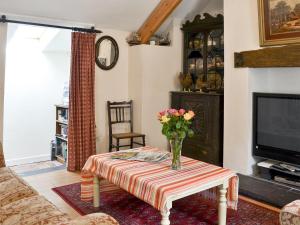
(271, 185)
(280, 172)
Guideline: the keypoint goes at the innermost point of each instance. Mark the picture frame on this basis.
(279, 22)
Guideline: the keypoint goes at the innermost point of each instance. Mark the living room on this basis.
(149, 75)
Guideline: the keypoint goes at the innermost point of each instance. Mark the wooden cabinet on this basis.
(207, 143)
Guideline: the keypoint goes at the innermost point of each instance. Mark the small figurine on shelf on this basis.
(186, 81)
(164, 40)
(154, 40)
(197, 43)
(201, 84)
(65, 99)
(134, 39)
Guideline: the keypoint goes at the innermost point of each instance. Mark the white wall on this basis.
(242, 33)
(34, 83)
(212, 7)
(3, 32)
(111, 85)
(153, 74)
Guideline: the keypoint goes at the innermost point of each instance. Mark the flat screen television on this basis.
(276, 126)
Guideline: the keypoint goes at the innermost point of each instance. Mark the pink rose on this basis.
(192, 114)
(159, 116)
(170, 111)
(181, 112)
(162, 113)
(173, 112)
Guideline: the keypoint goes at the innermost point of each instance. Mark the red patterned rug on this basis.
(192, 210)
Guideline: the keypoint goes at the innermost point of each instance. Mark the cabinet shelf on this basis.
(195, 49)
(60, 158)
(62, 122)
(61, 138)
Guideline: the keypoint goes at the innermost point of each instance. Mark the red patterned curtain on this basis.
(82, 134)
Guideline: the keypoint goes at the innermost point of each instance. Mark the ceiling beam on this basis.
(156, 18)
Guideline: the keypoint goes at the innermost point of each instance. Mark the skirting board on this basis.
(20, 161)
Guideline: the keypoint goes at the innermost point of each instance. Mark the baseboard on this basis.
(25, 160)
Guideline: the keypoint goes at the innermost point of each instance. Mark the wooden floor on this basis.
(44, 182)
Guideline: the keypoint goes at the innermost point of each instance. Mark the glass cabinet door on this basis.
(203, 60)
(215, 59)
(195, 55)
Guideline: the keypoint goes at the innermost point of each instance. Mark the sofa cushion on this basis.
(6, 174)
(32, 210)
(14, 190)
(290, 214)
(2, 161)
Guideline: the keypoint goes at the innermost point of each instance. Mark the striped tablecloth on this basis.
(156, 183)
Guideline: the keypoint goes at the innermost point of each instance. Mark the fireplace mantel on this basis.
(284, 56)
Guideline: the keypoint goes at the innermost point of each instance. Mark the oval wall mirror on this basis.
(107, 52)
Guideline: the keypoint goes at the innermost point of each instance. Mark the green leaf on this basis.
(182, 134)
(178, 125)
(190, 133)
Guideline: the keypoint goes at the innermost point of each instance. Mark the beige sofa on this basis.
(21, 204)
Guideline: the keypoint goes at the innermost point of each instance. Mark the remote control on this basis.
(276, 166)
(289, 167)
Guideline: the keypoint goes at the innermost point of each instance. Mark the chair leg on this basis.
(118, 145)
(131, 142)
(144, 143)
(110, 144)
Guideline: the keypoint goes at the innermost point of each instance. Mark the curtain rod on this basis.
(87, 30)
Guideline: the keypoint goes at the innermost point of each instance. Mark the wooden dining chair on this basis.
(120, 113)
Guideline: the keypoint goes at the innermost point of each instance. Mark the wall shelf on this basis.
(284, 56)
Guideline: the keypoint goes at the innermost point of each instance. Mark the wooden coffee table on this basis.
(158, 185)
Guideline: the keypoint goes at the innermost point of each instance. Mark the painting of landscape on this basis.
(284, 16)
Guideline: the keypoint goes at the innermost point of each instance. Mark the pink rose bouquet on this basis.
(176, 123)
(176, 126)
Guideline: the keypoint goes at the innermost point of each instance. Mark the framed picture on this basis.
(279, 22)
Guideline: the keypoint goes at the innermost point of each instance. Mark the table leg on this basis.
(165, 218)
(223, 203)
(96, 194)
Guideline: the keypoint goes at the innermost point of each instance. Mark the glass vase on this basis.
(176, 146)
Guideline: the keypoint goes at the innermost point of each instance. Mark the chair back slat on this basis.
(119, 112)
(119, 115)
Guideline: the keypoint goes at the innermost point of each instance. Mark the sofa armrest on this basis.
(2, 161)
(290, 214)
(92, 219)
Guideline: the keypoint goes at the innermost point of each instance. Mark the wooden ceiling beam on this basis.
(156, 18)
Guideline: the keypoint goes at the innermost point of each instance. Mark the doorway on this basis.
(37, 72)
